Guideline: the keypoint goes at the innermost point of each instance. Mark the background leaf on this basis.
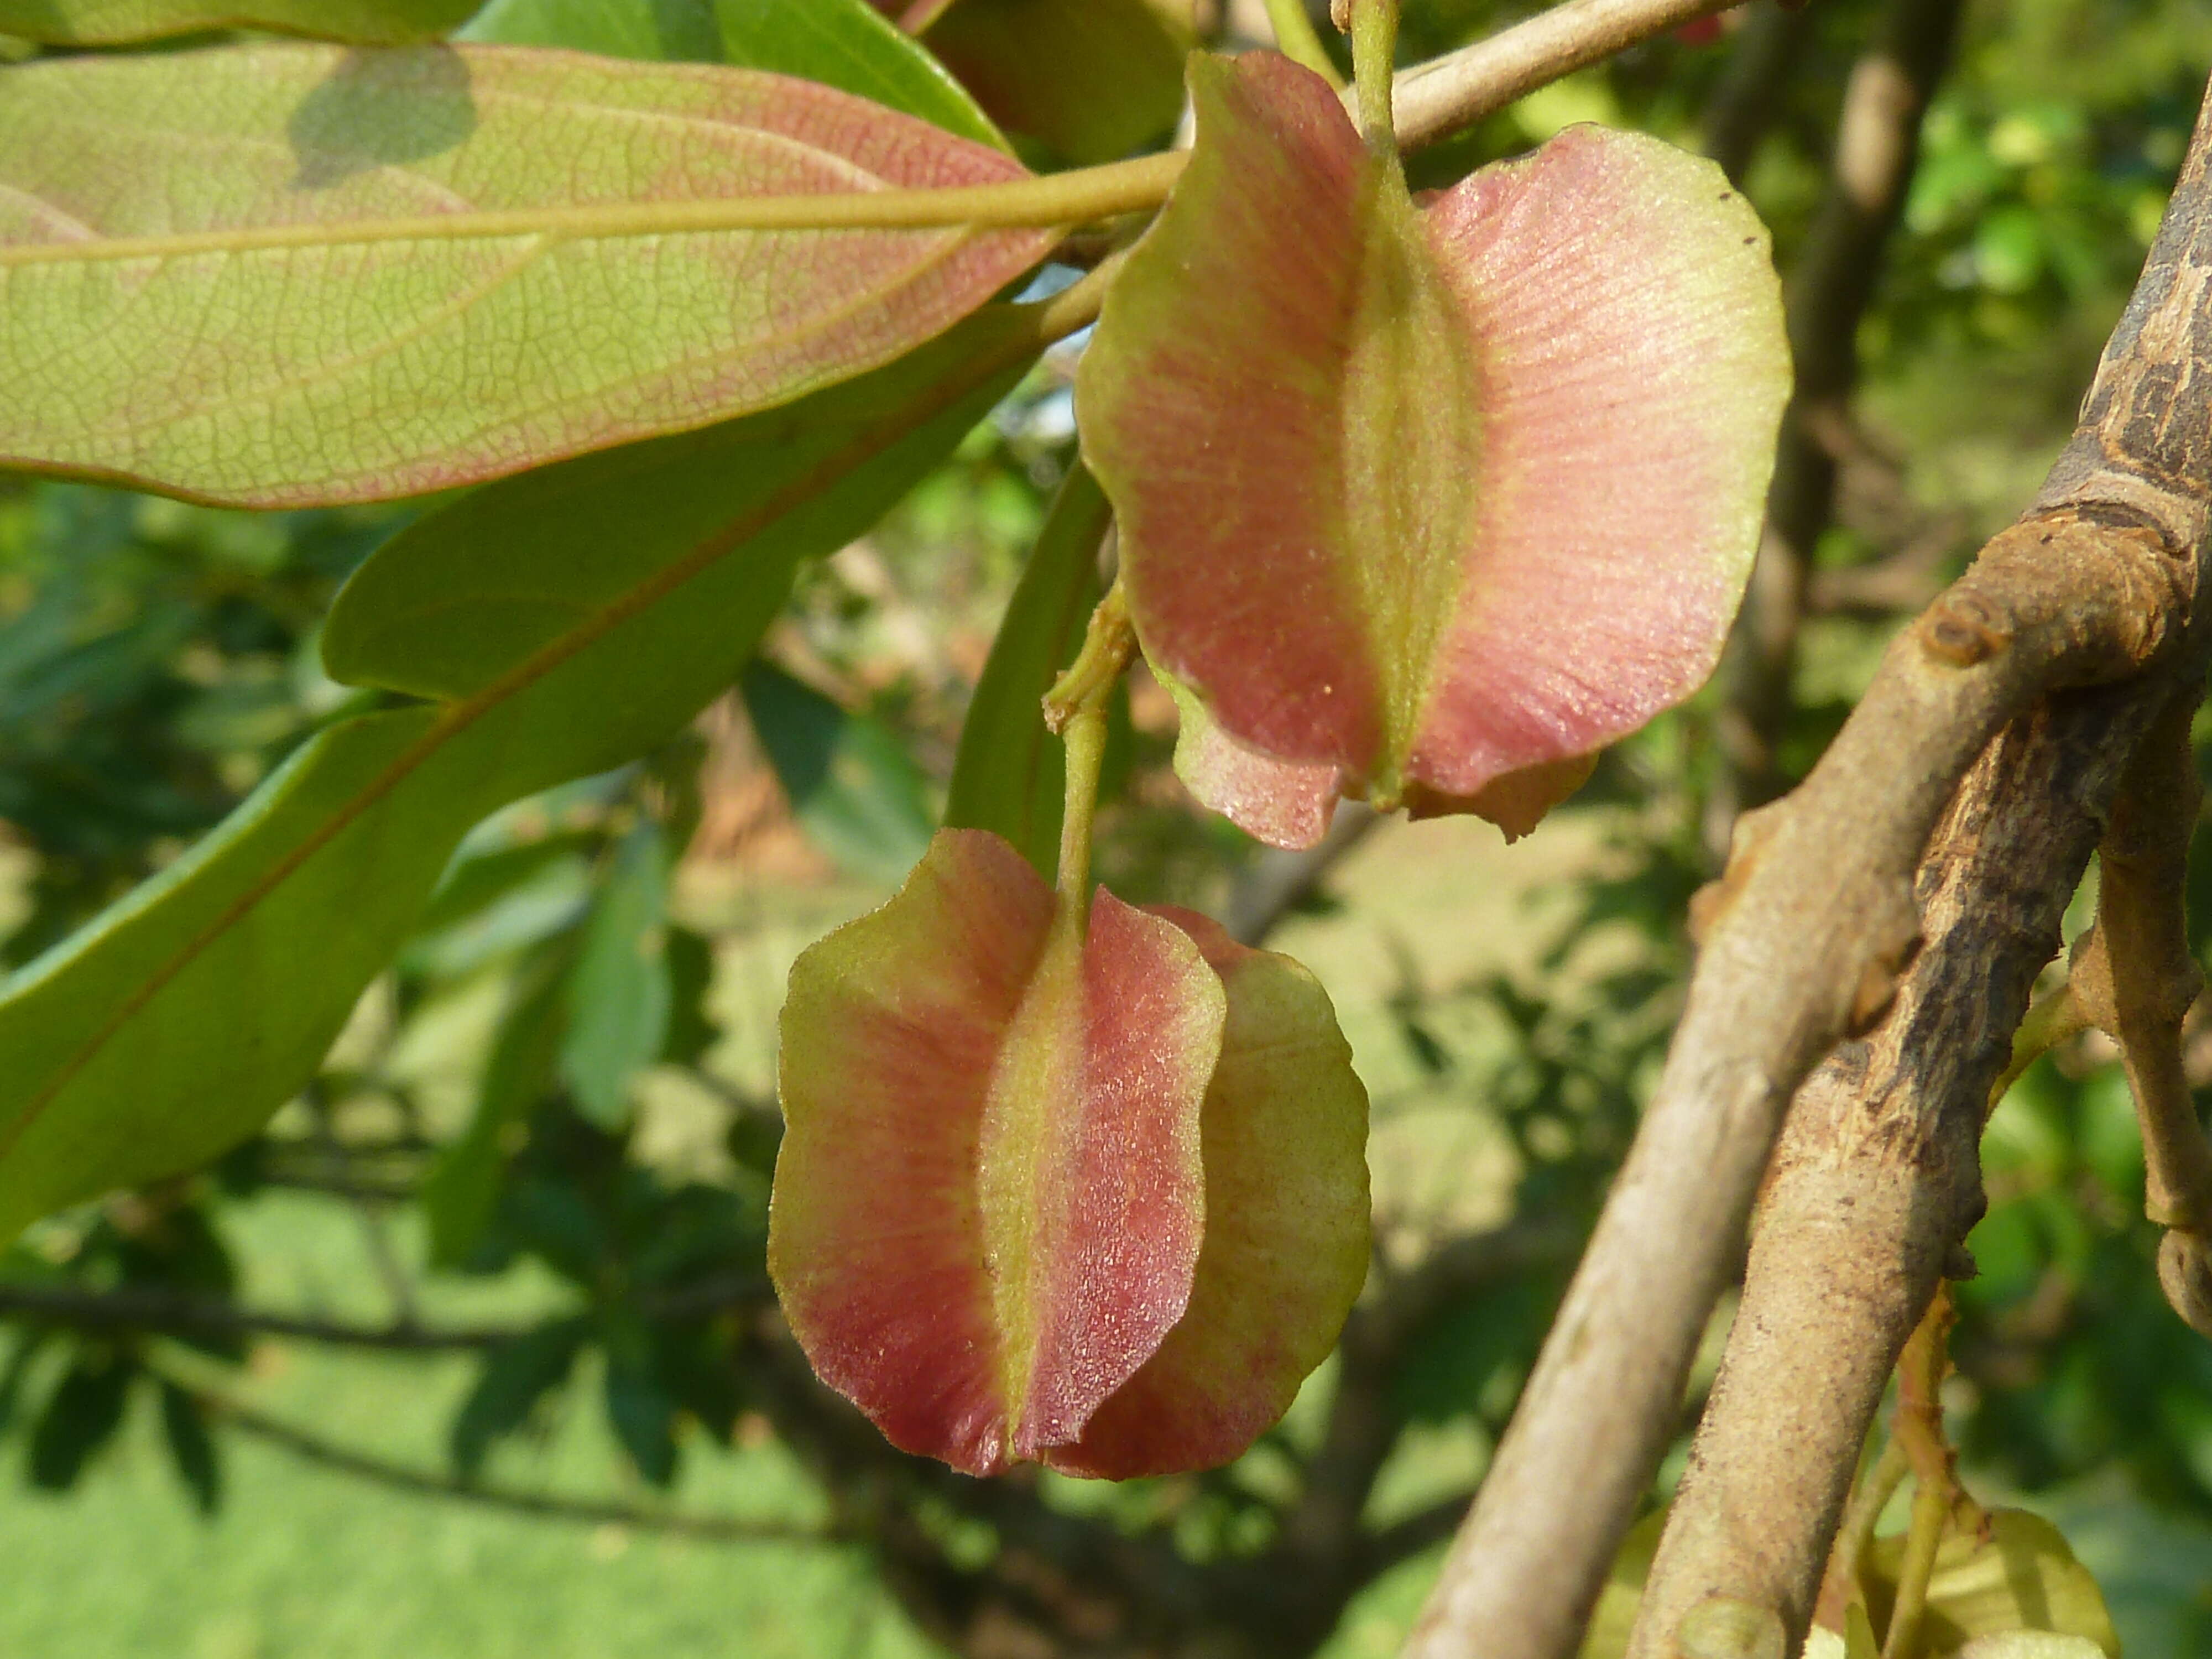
(462, 1187)
(852, 786)
(81, 1416)
(162, 209)
(1010, 773)
(516, 1375)
(191, 1448)
(116, 22)
(619, 993)
(841, 43)
(578, 615)
(640, 1410)
(1091, 80)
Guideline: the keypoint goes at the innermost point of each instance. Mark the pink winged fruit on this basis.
(1089, 1189)
(1427, 502)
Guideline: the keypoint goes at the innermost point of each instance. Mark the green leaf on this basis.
(281, 274)
(173, 1024)
(81, 1416)
(462, 1189)
(640, 1412)
(2023, 1576)
(619, 993)
(1090, 79)
(566, 621)
(516, 1375)
(191, 1448)
(118, 22)
(841, 43)
(29, 1340)
(474, 885)
(1009, 775)
(691, 1029)
(1615, 1616)
(852, 786)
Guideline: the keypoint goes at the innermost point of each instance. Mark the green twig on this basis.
(1931, 1513)
(2057, 1016)
(720, 1528)
(1076, 708)
(1299, 41)
(1939, 1502)
(1374, 49)
(1855, 1535)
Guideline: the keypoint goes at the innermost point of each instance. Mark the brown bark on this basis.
(1805, 940)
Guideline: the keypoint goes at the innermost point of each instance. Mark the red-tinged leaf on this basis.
(989, 1199)
(278, 274)
(1284, 1139)
(1415, 499)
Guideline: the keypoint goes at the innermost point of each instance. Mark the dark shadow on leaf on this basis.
(379, 109)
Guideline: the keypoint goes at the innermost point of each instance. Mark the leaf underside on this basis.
(275, 275)
(119, 22)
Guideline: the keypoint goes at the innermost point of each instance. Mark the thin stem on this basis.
(1442, 96)
(1855, 1535)
(1930, 1513)
(426, 1483)
(1107, 645)
(1918, 1431)
(1374, 47)
(132, 1309)
(1085, 737)
(2056, 1017)
(1076, 708)
(1938, 1499)
(2137, 978)
(1299, 41)
(2142, 947)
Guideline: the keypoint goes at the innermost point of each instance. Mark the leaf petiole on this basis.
(1374, 47)
(1076, 708)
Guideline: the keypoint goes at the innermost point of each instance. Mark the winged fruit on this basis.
(1089, 1189)
(1426, 503)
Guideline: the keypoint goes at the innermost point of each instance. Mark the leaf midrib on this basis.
(1027, 203)
(460, 715)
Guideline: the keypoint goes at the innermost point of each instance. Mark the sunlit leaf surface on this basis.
(116, 22)
(283, 274)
